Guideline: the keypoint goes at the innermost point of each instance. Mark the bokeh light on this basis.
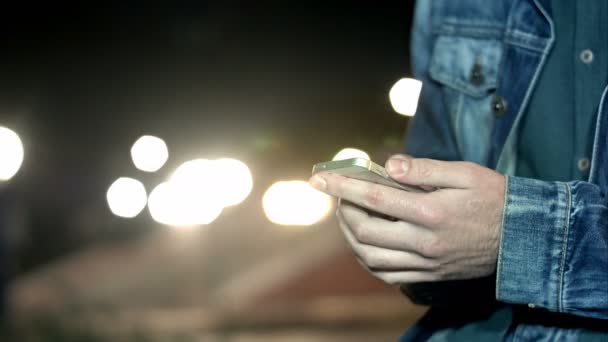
(349, 152)
(149, 153)
(228, 181)
(404, 96)
(196, 173)
(178, 206)
(126, 197)
(295, 203)
(11, 153)
(235, 179)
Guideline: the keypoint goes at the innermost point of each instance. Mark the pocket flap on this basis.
(466, 64)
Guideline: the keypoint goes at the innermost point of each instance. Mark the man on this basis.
(520, 87)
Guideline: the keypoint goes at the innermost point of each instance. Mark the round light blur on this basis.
(235, 181)
(295, 203)
(197, 176)
(178, 206)
(149, 153)
(227, 181)
(11, 153)
(126, 197)
(349, 152)
(404, 96)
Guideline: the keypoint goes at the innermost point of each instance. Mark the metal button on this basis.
(586, 56)
(531, 306)
(499, 105)
(476, 76)
(583, 164)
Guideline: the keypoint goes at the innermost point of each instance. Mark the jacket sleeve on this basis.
(554, 247)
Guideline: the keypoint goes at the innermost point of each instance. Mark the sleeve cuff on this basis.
(534, 233)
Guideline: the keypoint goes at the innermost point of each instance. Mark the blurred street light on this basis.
(235, 180)
(161, 205)
(404, 96)
(149, 153)
(126, 197)
(349, 152)
(198, 190)
(177, 206)
(228, 181)
(11, 153)
(295, 203)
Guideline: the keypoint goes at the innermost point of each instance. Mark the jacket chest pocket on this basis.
(468, 69)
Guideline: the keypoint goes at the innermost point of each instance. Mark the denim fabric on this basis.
(553, 254)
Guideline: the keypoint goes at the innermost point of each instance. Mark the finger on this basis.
(432, 173)
(370, 230)
(377, 258)
(404, 205)
(406, 277)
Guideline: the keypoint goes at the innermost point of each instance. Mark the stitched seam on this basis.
(526, 40)
(502, 230)
(518, 43)
(564, 249)
(483, 24)
(459, 85)
(467, 30)
(596, 139)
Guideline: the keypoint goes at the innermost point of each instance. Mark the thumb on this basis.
(430, 173)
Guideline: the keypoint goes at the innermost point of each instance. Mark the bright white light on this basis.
(404, 96)
(149, 153)
(194, 172)
(295, 203)
(198, 190)
(196, 177)
(227, 181)
(235, 181)
(126, 197)
(348, 153)
(160, 204)
(174, 205)
(11, 153)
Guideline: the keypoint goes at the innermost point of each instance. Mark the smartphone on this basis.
(362, 169)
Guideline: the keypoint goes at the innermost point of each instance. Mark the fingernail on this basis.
(318, 183)
(398, 167)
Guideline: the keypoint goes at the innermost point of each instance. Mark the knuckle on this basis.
(374, 197)
(422, 168)
(431, 247)
(433, 265)
(439, 273)
(472, 172)
(360, 231)
(376, 261)
(474, 205)
(367, 258)
(339, 187)
(431, 214)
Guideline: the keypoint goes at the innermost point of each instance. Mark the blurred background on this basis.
(150, 155)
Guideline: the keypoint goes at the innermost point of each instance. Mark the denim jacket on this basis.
(479, 61)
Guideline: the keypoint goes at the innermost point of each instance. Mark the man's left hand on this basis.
(450, 233)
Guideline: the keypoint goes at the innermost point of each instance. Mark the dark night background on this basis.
(278, 84)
